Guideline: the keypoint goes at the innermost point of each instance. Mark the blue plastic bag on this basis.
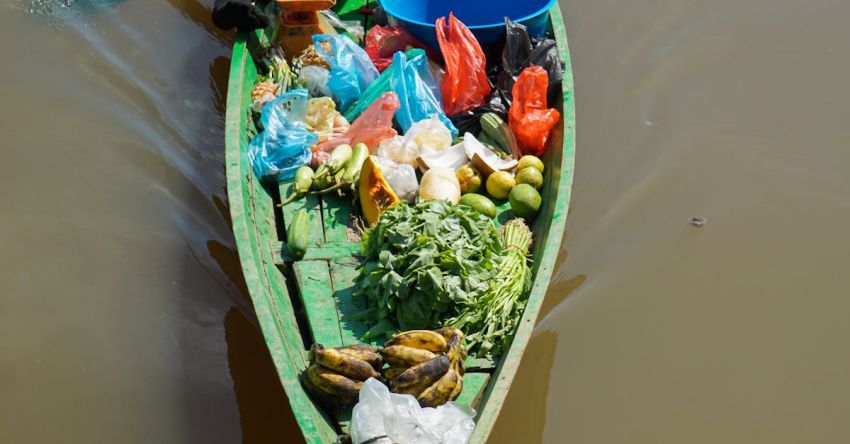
(284, 145)
(411, 80)
(351, 69)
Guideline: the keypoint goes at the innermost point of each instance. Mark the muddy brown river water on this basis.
(122, 313)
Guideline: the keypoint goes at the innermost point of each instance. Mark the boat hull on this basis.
(257, 236)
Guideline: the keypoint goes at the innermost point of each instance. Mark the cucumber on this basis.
(479, 203)
(298, 234)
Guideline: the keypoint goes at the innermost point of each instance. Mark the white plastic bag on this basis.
(400, 177)
(385, 418)
(429, 135)
(398, 149)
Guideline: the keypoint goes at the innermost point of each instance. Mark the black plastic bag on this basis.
(520, 52)
(469, 121)
(545, 55)
(516, 51)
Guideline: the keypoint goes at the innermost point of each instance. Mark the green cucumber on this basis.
(298, 234)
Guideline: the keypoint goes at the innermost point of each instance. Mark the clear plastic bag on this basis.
(400, 177)
(426, 135)
(321, 116)
(410, 81)
(352, 27)
(530, 118)
(383, 417)
(315, 78)
(373, 126)
(351, 69)
(465, 84)
(284, 145)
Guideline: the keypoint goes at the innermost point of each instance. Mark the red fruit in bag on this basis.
(384, 41)
(529, 118)
(465, 85)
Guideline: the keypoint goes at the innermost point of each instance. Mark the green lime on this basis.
(530, 161)
(525, 201)
(500, 184)
(531, 176)
(479, 203)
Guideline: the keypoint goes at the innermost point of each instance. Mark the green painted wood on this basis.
(336, 212)
(250, 210)
(260, 250)
(323, 252)
(548, 231)
(474, 385)
(314, 283)
(312, 204)
(480, 364)
(343, 273)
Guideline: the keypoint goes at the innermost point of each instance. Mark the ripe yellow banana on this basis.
(342, 363)
(329, 387)
(364, 353)
(424, 339)
(457, 353)
(448, 332)
(440, 391)
(404, 356)
(417, 378)
(392, 372)
(458, 387)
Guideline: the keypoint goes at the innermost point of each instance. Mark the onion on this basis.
(440, 184)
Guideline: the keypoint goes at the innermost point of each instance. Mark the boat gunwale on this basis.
(509, 362)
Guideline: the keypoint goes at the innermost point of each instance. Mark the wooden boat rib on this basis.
(298, 303)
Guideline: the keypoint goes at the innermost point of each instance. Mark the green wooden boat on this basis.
(298, 303)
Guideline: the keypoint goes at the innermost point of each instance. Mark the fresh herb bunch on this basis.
(490, 321)
(423, 262)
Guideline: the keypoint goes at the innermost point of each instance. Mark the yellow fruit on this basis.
(424, 339)
(500, 184)
(469, 178)
(531, 176)
(262, 89)
(530, 161)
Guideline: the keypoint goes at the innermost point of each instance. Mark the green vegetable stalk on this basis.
(490, 321)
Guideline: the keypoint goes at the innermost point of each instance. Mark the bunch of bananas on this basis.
(335, 375)
(426, 364)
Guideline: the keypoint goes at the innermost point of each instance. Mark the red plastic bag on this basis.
(373, 126)
(465, 85)
(529, 118)
(383, 42)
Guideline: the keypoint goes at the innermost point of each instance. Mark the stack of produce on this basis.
(432, 155)
(277, 81)
(335, 375)
(426, 364)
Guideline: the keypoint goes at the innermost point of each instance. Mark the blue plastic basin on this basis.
(485, 18)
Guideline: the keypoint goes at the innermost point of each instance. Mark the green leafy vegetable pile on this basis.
(433, 264)
(492, 319)
(422, 261)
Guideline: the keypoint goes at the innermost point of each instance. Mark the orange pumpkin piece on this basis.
(376, 195)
